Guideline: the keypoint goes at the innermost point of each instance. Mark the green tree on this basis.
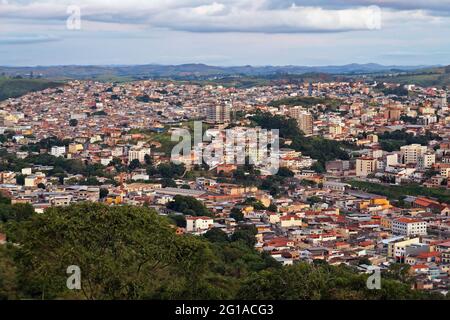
(237, 214)
(123, 252)
(216, 235)
(188, 206)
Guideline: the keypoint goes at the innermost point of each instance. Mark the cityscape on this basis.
(195, 182)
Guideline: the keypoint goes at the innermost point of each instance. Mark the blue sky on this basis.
(226, 32)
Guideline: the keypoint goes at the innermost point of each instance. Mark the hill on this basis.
(192, 71)
(13, 88)
(437, 77)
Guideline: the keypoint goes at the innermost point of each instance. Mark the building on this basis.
(393, 113)
(365, 166)
(304, 119)
(138, 154)
(218, 114)
(426, 160)
(409, 227)
(412, 153)
(397, 248)
(198, 224)
(58, 151)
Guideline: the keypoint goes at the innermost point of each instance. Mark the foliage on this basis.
(188, 206)
(132, 253)
(393, 141)
(123, 252)
(316, 147)
(315, 282)
(13, 88)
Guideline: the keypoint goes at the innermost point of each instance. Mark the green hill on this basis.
(435, 77)
(13, 88)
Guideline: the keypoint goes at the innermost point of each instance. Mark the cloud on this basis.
(256, 16)
(28, 39)
(218, 18)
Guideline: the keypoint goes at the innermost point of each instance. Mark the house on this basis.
(290, 221)
(198, 224)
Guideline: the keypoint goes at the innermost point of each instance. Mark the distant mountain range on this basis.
(192, 71)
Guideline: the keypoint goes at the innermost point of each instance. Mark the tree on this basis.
(123, 252)
(237, 214)
(246, 234)
(216, 235)
(285, 172)
(8, 279)
(20, 179)
(134, 164)
(318, 167)
(41, 186)
(103, 193)
(178, 219)
(188, 206)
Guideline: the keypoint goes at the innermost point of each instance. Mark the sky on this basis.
(224, 32)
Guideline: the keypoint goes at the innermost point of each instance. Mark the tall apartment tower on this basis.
(365, 166)
(304, 119)
(412, 153)
(218, 114)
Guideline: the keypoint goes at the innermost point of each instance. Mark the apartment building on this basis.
(365, 166)
(409, 227)
(304, 119)
(412, 153)
(218, 114)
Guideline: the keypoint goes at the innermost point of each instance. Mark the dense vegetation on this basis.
(393, 141)
(399, 192)
(188, 206)
(316, 147)
(13, 88)
(132, 253)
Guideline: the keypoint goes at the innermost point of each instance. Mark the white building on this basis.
(409, 227)
(58, 151)
(198, 224)
(427, 160)
(138, 154)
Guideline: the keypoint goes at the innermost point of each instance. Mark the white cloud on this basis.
(263, 16)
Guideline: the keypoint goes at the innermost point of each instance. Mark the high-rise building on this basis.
(365, 166)
(412, 153)
(138, 154)
(426, 160)
(304, 119)
(393, 113)
(218, 114)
